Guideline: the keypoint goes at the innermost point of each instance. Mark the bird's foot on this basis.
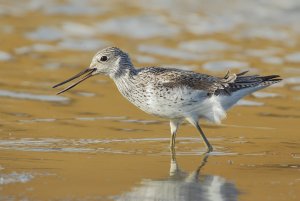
(209, 149)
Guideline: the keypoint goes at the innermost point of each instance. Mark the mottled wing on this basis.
(220, 86)
(175, 78)
(194, 81)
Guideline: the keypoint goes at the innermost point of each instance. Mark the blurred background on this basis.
(91, 144)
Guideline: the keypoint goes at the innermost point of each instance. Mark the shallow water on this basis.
(91, 144)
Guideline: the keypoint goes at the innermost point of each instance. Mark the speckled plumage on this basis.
(172, 93)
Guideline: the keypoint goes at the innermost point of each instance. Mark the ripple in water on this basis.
(103, 145)
(82, 44)
(4, 56)
(243, 102)
(168, 52)
(139, 27)
(291, 80)
(30, 96)
(201, 46)
(15, 178)
(224, 65)
(45, 33)
(265, 95)
(293, 57)
(266, 33)
(273, 60)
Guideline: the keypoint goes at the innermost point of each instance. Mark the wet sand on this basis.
(91, 144)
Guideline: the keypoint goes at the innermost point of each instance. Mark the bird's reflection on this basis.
(183, 186)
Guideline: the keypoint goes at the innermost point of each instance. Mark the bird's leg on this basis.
(195, 123)
(174, 124)
(209, 147)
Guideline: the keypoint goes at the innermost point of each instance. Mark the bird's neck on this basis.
(124, 78)
(122, 72)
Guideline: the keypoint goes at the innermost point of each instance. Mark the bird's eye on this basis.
(103, 58)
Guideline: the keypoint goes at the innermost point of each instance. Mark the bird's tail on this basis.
(236, 86)
(254, 80)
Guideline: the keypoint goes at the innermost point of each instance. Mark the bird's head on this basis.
(110, 61)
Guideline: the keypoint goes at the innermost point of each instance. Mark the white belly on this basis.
(181, 103)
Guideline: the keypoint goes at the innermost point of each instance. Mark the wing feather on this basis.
(175, 78)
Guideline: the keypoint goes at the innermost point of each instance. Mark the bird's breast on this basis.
(163, 101)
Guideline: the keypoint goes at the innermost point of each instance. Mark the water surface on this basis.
(91, 144)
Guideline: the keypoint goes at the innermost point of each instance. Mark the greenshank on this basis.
(171, 93)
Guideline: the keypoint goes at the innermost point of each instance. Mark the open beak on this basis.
(87, 72)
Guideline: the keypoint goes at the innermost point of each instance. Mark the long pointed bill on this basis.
(88, 72)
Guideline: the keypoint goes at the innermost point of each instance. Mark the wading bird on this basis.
(172, 93)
